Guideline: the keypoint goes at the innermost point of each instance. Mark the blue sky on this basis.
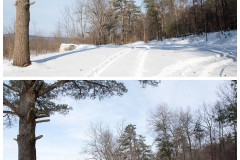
(64, 136)
(44, 13)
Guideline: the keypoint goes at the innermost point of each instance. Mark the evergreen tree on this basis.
(132, 146)
(198, 133)
(228, 95)
(153, 9)
(31, 100)
(165, 146)
(127, 12)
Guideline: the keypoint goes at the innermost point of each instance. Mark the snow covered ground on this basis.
(191, 57)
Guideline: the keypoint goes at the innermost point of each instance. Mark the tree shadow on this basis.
(62, 55)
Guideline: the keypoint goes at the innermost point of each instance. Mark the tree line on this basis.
(123, 21)
(180, 134)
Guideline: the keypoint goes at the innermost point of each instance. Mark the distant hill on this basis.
(64, 39)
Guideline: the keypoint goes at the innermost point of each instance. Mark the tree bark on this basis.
(21, 56)
(26, 138)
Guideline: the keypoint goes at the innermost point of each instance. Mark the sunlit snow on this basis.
(175, 57)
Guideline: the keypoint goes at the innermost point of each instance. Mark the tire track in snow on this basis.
(207, 69)
(140, 63)
(180, 66)
(218, 64)
(99, 69)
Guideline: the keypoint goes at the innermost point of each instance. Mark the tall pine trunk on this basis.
(26, 138)
(21, 56)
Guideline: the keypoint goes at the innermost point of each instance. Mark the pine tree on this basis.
(228, 95)
(31, 100)
(132, 146)
(127, 12)
(153, 9)
(165, 146)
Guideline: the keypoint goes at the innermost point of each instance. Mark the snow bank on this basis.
(214, 38)
(67, 47)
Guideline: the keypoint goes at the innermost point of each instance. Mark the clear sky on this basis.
(64, 136)
(44, 13)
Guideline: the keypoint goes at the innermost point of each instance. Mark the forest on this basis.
(122, 21)
(179, 134)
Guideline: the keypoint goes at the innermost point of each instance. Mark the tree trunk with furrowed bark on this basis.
(26, 138)
(21, 55)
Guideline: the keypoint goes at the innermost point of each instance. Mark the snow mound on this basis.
(84, 47)
(67, 47)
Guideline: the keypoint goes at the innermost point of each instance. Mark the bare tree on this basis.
(98, 15)
(159, 122)
(80, 11)
(8, 40)
(208, 120)
(186, 122)
(100, 143)
(67, 22)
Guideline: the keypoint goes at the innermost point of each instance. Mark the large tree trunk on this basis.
(26, 138)
(21, 48)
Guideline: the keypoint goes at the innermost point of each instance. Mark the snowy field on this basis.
(191, 57)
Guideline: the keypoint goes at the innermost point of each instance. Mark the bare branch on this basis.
(42, 116)
(11, 88)
(9, 112)
(41, 121)
(38, 137)
(31, 3)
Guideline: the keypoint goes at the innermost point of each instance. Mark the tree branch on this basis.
(42, 116)
(41, 121)
(34, 85)
(11, 88)
(38, 137)
(11, 106)
(31, 3)
(92, 82)
(53, 86)
(40, 86)
(9, 112)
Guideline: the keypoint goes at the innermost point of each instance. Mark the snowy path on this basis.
(170, 58)
(128, 62)
(131, 61)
